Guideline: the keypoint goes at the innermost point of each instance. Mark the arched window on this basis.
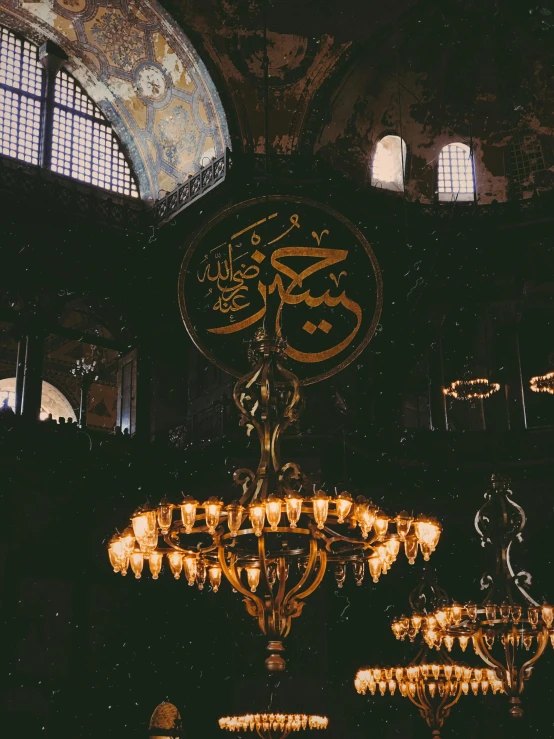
(83, 144)
(455, 174)
(389, 163)
(52, 400)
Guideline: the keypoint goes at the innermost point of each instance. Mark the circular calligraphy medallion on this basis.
(290, 264)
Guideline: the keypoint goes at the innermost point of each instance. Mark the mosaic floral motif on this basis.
(121, 40)
(178, 136)
(151, 83)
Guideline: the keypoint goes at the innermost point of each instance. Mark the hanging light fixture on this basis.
(509, 630)
(475, 389)
(543, 383)
(273, 545)
(434, 684)
(271, 725)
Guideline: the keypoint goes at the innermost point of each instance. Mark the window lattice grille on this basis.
(20, 98)
(525, 158)
(83, 143)
(455, 173)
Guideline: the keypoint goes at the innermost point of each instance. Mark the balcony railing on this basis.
(206, 179)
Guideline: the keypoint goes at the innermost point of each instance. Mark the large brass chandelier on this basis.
(276, 542)
(509, 630)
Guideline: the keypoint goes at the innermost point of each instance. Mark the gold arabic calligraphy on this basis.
(231, 279)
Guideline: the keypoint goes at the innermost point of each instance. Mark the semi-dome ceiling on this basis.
(145, 75)
(343, 74)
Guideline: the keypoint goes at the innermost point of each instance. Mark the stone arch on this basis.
(144, 74)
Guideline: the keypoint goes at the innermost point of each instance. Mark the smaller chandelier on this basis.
(508, 629)
(477, 389)
(264, 724)
(543, 383)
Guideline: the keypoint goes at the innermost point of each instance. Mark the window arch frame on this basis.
(450, 196)
(118, 169)
(405, 163)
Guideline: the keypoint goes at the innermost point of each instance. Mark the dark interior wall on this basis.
(90, 653)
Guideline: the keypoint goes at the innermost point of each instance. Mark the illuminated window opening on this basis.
(84, 146)
(455, 173)
(389, 164)
(52, 400)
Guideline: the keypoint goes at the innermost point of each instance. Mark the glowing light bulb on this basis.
(293, 505)
(456, 614)
(128, 541)
(463, 640)
(320, 503)
(235, 514)
(517, 612)
(256, 512)
(212, 511)
(393, 547)
(343, 503)
(175, 560)
(365, 516)
(144, 524)
(533, 615)
(505, 610)
(358, 569)
(273, 511)
(145, 529)
(426, 549)
(410, 548)
(190, 564)
(137, 563)
(375, 567)
(432, 688)
(427, 532)
(340, 574)
(117, 555)
(214, 574)
(442, 618)
(548, 615)
(471, 610)
(201, 573)
(381, 525)
(449, 642)
(155, 561)
(253, 576)
(165, 517)
(188, 513)
(403, 524)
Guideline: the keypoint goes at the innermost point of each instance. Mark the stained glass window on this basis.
(455, 175)
(389, 163)
(84, 145)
